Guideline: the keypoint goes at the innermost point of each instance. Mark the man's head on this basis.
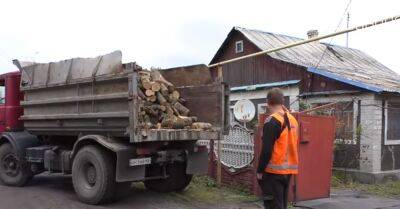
(275, 97)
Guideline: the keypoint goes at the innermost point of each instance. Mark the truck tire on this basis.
(13, 171)
(177, 179)
(93, 175)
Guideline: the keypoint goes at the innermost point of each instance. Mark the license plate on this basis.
(139, 161)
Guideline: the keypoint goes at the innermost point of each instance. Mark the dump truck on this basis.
(79, 117)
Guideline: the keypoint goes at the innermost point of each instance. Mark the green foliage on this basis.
(304, 106)
(204, 189)
(389, 189)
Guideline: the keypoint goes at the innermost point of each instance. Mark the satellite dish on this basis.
(244, 110)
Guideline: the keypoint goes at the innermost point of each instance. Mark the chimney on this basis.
(312, 33)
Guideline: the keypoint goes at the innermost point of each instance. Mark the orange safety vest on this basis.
(284, 159)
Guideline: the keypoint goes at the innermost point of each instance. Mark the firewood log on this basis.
(194, 119)
(162, 105)
(164, 90)
(156, 75)
(141, 94)
(182, 121)
(152, 98)
(176, 112)
(182, 100)
(149, 92)
(161, 108)
(175, 95)
(181, 109)
(144, 73)
(155, 86)
(169, 111)
(161, 99)
(146, 83)
(201, 125)
(150, 111)
(176, 122)
(171, 89)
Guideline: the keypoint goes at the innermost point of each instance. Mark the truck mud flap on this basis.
(125, 171)
(197, 162)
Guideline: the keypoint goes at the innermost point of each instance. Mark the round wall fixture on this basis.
(244, 110)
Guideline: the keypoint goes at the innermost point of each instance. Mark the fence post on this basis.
(219, 167)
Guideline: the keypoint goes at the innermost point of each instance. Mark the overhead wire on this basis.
(324, 52)
(337, 27)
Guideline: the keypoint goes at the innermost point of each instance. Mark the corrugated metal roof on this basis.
(344, 64)
(264, 85)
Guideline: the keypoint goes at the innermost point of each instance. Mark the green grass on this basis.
(204, 189)
(389, 189)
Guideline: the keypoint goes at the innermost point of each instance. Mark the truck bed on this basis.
(98, 96)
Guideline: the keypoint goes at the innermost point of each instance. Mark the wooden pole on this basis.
(219, 167)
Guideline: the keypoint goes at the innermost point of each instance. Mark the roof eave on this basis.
(358, 84)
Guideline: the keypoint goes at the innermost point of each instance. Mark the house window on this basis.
(392, 123)
(239, 46)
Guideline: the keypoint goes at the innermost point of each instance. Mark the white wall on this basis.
(291, 91)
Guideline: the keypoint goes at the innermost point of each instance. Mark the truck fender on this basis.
(123, 152)
(20, 141)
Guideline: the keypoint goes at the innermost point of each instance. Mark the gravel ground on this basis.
(56, 192)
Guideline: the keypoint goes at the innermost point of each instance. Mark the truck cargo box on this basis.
(99, 95)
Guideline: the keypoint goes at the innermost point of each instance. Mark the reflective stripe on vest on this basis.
(282, 167)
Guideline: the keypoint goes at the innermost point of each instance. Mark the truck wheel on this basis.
(93, 175)
(13, 171)
(177, 179)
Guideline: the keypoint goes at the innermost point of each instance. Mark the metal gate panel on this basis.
(315, 157)
(237, 148)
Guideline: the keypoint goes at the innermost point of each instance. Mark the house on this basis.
(367, 94)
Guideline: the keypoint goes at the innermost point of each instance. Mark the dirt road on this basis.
(56, 192)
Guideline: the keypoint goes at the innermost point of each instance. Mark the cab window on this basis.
(2, 95)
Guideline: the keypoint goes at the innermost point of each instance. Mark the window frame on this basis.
(386, 141)
(236, 46)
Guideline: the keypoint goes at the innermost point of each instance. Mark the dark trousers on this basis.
(275, 189)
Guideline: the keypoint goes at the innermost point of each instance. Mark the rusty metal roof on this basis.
(344, 64)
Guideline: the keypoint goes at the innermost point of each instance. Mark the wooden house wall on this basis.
(264, 69)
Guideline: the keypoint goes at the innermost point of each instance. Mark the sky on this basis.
(175, 33)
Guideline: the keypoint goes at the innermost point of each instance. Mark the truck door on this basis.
(2, 106)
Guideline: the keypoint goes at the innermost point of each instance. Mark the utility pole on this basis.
(347, 34)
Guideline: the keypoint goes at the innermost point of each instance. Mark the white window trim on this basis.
(236, 43)
(386, 141)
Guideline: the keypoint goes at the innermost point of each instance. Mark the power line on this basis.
(337, 27)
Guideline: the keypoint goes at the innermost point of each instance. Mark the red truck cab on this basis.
(10, 97)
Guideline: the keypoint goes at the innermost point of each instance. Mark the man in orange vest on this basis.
(279, 158)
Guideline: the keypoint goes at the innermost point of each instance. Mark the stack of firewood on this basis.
(162, 105)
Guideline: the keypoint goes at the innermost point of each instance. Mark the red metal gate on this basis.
(315, 157)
